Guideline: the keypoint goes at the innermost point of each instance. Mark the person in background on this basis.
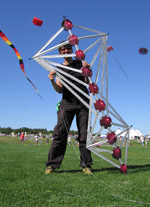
(142, 140)
(146, 141)
(36, 139)
(47, 140)
(22, 138)
(69, 140)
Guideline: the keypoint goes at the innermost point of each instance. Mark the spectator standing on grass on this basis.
(142, 140)
(47, 140)
(69, 140)
(76, 141)
(146, 141)
(36, 139)
(22, 138)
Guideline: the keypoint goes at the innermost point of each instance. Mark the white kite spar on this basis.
(103, 118)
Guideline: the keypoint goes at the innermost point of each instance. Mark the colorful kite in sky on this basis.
(18, 56)
(109, 48)
(143, 51)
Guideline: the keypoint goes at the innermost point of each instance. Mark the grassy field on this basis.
(23, 184)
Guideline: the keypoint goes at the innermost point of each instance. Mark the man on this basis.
(69, 107)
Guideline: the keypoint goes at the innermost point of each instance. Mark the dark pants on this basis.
(65, 117)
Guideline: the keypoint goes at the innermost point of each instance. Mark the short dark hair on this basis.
(67, 45)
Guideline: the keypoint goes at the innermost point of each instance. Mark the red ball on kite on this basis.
(36, 21)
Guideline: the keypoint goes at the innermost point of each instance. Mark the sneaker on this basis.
(87, 171)
(48, 170)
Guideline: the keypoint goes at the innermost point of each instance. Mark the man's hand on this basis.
(52, 75)
(57, 85)
(85, 64)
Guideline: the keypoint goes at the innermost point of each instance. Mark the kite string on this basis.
(122, 69)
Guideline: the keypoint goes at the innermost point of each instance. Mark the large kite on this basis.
(103, 118)
(18, 56)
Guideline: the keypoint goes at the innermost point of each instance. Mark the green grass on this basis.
(23, 184)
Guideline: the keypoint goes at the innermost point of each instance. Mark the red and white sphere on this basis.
(111, 138)
(67, 24)
(100, 105)
(116, 153)
(123, 168)
(93, 88)
(80, 55)
(73, 40)
(106, 122)
(86, 72)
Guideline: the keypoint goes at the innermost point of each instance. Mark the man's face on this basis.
(67, 49)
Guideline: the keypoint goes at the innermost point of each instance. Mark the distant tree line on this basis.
(9, 130)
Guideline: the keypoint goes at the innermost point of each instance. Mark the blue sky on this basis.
(127, 23)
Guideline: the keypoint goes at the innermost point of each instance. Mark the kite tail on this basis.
(19, 57)
(33, 86)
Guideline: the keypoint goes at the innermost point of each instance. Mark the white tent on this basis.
(132, 133)
(139, 133)
(117, 131)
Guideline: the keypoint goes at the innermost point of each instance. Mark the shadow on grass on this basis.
(131, 169)
(138, 168)
(94, 170)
